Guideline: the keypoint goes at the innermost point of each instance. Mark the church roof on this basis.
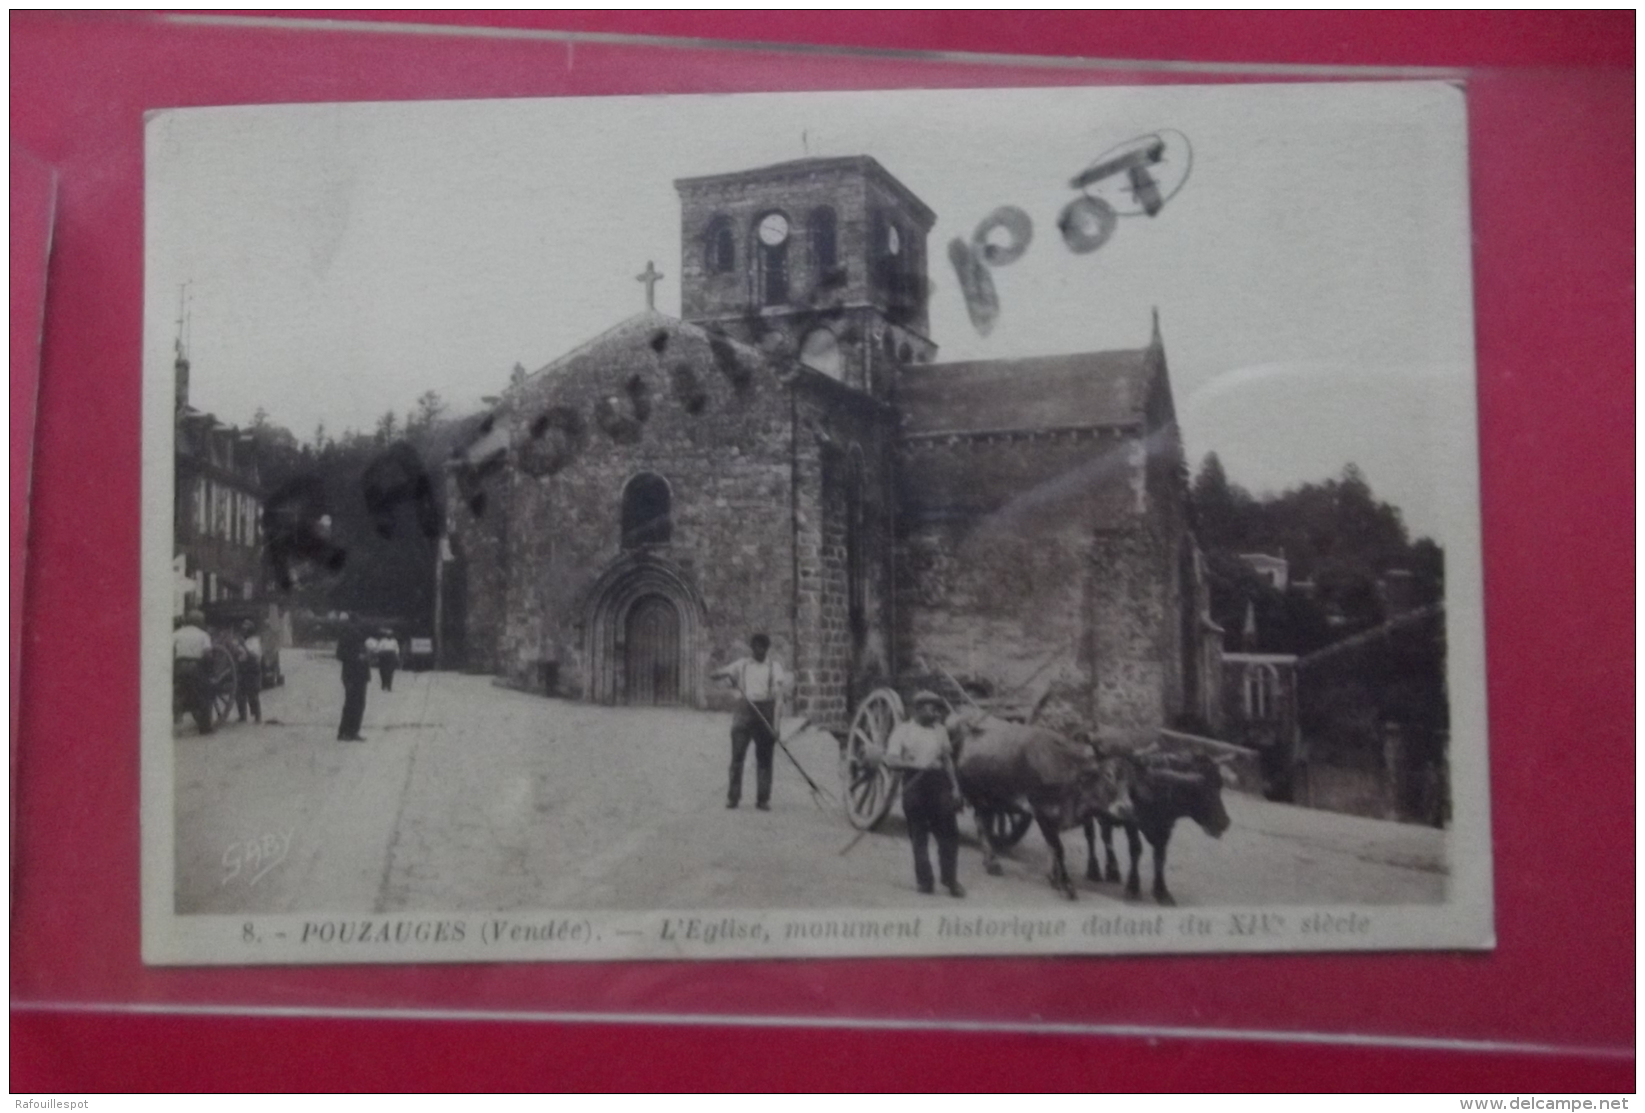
(1040, 392)
(653, 328)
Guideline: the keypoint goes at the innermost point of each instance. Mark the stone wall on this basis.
(715, 423)
(1130, 609)
(1179, 645)
(994, 561)
(479, 546)
(848, 448)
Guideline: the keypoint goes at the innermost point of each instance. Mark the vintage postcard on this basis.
(894, 523)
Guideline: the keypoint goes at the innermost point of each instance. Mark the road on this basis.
(467, 796)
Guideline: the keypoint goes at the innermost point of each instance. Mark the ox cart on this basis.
(1066, 783)
(870, 786)
(216, 675)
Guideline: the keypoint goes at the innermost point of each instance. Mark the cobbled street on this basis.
(467, 796)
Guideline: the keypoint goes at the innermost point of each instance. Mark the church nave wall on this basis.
(722, 456)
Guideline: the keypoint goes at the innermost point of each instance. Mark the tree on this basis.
(1336, 536)
(1222, 511)
(422, 420)
(387, 427)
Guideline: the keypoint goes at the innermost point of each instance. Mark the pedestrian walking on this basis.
(351, 651)
(191, 682)
(388, 658)
(921, 749)
(248, 667)
(761, 680)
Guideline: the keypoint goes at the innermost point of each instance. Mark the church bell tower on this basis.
(822, 259)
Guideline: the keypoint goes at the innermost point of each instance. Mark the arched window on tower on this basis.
(771, 259)
(719, 249)
(894, 268)
(647, 511)
(825, 243)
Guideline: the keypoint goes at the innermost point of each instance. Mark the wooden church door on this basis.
(651, 652)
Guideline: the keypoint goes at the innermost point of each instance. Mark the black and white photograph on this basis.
(1027, 521)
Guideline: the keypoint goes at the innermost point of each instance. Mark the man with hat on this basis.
(930, 790)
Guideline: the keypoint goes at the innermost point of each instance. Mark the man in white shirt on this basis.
(930, 791)
(387, 655)
(190, 646)
(761, 680)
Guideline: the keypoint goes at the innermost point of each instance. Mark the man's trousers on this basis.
(753, 722)
(354, 703)
(928, 804)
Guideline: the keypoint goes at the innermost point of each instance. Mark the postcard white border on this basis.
(1464, 920)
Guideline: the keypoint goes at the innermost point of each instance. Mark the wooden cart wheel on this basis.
(220, 676)
(1006, 829)
(869, 786)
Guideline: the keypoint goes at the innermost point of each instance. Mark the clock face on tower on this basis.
(773, 229)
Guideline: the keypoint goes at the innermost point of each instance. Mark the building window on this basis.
(894, 267)
(719, 249)
(1261, 692)
(771, 259)
(825, 251)
(647, 511)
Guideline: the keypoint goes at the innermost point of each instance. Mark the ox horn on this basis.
(1177, 776)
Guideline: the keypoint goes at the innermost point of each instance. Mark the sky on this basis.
(1311, 275)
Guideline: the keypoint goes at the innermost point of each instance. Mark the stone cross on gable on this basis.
(650, 276)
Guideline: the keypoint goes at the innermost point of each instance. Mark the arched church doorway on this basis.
(643, 622)
(651, 652)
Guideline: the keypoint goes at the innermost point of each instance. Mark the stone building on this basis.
(790, 457)
(217, 550)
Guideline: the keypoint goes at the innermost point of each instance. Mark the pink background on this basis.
(1552, 168)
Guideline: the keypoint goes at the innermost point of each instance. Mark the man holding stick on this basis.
(761, 681)
(920, 748)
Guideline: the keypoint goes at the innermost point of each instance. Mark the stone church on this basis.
(790, 456)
